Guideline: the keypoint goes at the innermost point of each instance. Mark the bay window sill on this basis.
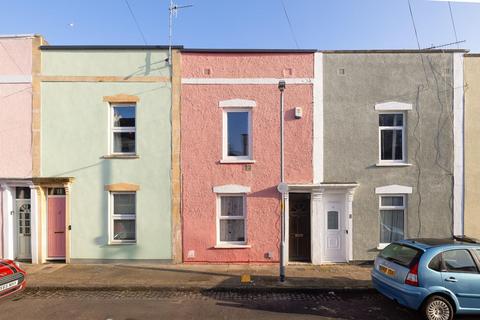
(122, 243)
(121, 156)
(393, 164)
(230, 161)
(232, 246)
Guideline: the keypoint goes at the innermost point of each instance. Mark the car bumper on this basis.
(408, 296)
(13, 290)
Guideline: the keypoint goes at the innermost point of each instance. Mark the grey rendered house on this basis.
(388, 149)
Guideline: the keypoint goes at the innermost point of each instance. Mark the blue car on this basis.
(438, 277)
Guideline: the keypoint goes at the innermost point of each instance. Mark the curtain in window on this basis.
(391, 225)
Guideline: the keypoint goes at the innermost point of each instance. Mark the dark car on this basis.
(12, 278)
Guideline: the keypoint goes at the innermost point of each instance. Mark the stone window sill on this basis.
(232, 246)
(382, 246)
(233, 161)
(121, 156)
(393, 164)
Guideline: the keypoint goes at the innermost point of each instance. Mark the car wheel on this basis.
(437, 308)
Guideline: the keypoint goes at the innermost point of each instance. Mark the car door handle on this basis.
(451, 279)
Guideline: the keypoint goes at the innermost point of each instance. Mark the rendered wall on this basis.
(201, 143)
(351, 139)
(75, 134)
(472, 146)
(15, 107)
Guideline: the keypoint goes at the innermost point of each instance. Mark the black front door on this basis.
(299, 227)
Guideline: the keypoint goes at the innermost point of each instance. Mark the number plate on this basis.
(9, 285)
(387, 271)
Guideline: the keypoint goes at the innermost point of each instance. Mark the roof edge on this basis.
(206, 50)
(108, 47)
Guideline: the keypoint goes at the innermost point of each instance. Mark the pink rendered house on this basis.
(230, 145)
(19, 147)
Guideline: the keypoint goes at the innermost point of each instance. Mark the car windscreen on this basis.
(401, 254)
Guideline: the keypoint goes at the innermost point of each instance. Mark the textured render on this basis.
(201, 133)
(472, 146)
(351, 139)
(15, 109)
(247, 65)
(75, 133)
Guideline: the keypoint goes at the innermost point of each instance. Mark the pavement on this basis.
(186, 277)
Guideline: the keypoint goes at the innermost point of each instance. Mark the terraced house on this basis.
(108, 156)
(19, 136)
(373, 152)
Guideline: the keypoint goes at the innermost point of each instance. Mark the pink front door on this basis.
(56, 227)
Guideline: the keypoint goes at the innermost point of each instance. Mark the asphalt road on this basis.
(136, 305)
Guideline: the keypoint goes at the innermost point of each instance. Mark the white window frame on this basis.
(225, 155)
(380, 208)
(112, 217)
(114, 130)
(220, 217)
(404, 142)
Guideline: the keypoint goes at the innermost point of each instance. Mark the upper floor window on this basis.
(237, 136)
(392, 137)
(123, 129)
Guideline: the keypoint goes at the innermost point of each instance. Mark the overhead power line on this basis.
(136, 22)
(11, 58)
(289, 24)
(453, 21)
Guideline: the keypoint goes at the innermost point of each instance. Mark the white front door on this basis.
(334, 244)
(22, 212)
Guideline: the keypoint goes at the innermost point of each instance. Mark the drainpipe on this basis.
(281, 87)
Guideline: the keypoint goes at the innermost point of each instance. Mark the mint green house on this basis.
(109, 142)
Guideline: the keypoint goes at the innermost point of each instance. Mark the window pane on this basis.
(392, 201)
(22, 193)
(232, 206)
(124, 229)
(401, 254)
(391, 142)
(332, 220)
(232, 230)
(124, 142)
(391, 225)
(56, 191)
(436, 263)
(237, 124)
(459, 261)
(389, 120)
(124, 203)
(124, 116)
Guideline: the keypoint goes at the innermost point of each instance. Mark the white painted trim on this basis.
(232, 246)
(393, 106)
(15, 78)
(112, 218)
(393, 164)
(393, 189)
(404, 142)
(34, 225)
(231, 188)
(317, 228)
(239, 103)
(8, 223)
(237, 161)
(269, 81)
(26, 35)
(318, 119)
(458, 137)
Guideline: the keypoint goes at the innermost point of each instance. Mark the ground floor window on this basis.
(123, 217)
(392, 218)
(231, 216)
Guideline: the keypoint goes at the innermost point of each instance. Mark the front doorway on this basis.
(299, 227)
(56, 208)
(22, 221)
(335, 233)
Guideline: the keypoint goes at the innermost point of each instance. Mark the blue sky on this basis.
(317, 24)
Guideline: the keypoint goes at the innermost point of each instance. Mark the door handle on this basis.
(58, 232)
(451, 279)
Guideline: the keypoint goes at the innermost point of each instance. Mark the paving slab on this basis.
(195, 277)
